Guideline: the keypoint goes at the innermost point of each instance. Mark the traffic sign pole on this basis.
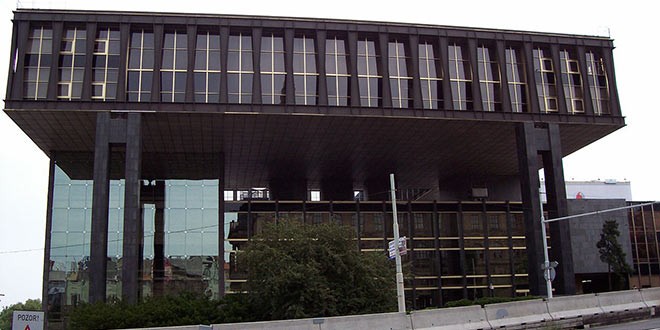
(397, 254)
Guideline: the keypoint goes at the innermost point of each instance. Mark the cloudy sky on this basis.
(630, 153)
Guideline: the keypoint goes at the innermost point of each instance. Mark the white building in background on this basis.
(596, 189)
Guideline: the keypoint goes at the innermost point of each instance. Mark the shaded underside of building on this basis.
(173, 138)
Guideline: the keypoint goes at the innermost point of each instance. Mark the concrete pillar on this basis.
(99, 237)
(544, 140)
(560, 235)
(133, 224)
(529, 187)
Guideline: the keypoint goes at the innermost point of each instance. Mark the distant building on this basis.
(596, 189)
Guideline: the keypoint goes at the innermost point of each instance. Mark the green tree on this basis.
(298, 271)
(612, 253)
(7, 313)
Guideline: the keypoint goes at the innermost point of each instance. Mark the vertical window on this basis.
(174, 67)
(430, 74)
(140, 66)
(38, 59)
(106, 64)
(72, 64)
(546, 86)
(489, 79)
(368, 78)
(515, 72)
(207, 67)
(460, 78)
(273, 74)
(570, 72)
(336, 72)
(239, 68)
(304, 70)
(598, 86)
(400, 80)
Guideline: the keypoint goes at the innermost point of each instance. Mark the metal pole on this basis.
(599, 212)
(546, 259)
(397, 255)
(546, 262)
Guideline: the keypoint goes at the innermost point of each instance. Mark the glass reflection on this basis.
(460, 77)
(304, 70)
(273, 73)
(368, 78)
(515, 71)
(430, 72)
(598, 83)
(336, 71)
(239, 68)
(37, 62)
(572, 81)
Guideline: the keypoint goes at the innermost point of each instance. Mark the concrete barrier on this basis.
(301, 324)
(468, 317)
(181, 327)
(392, 321)
(517, 313)
(573, 306)
(651, 297)
(618, 301)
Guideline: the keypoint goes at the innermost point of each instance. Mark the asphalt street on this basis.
(651, 324)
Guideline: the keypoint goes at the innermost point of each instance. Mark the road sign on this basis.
(549, 274)
(28, 320)
(403, 249)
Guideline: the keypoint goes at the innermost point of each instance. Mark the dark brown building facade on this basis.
(174, 137)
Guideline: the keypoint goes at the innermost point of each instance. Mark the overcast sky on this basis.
(630, 153)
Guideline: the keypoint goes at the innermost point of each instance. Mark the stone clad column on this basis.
(544, 140)
(133, 224)
(99, 237)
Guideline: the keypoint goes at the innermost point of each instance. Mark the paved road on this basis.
(651, 324)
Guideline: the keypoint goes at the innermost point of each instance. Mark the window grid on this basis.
(38, 62)
(239, 68)
(273, 72)
(598, 84)
(174, 67)
(207, 68)
(140, 67)
(572, 80)
(489, 79)
(460, 78)
(304, 70)
(400, 81)
(430, 76)
(338, 78)
(368, 78)
(72, 64)
(545, 80)
(106, 64)
(515, 71)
